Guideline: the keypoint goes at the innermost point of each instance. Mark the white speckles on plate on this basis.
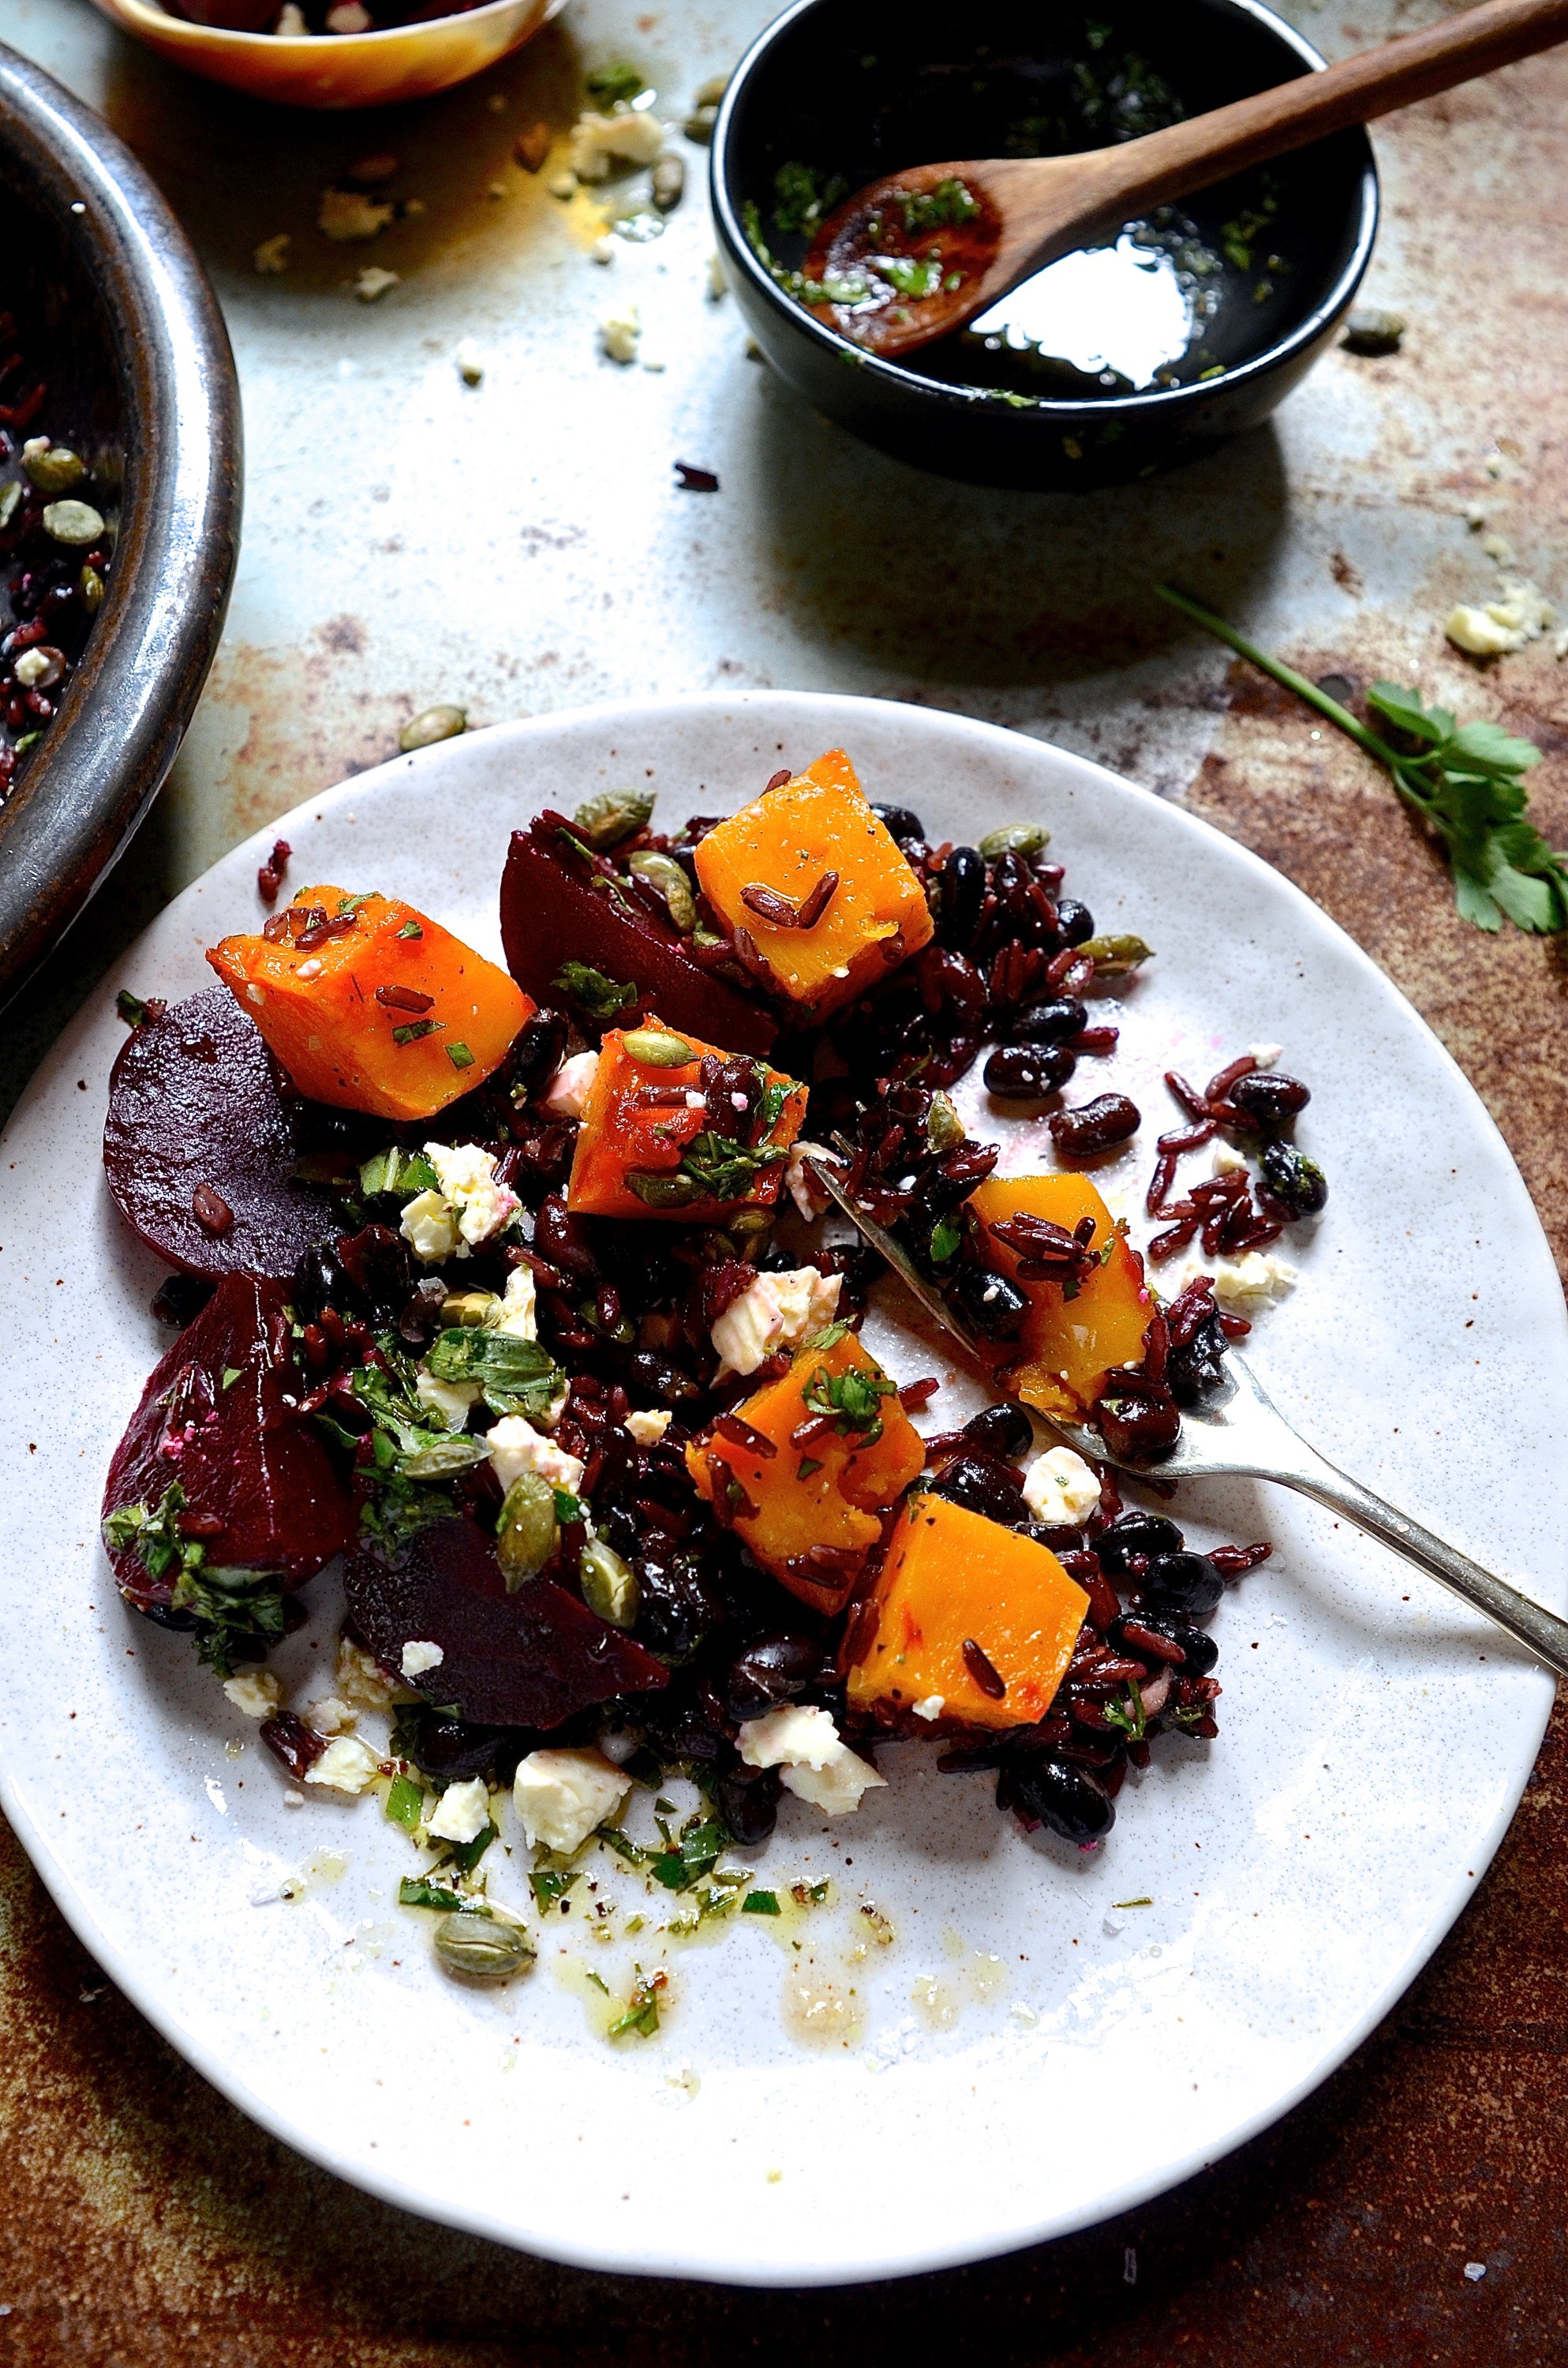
(1300, 1869)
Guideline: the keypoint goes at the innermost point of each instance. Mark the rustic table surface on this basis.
(520, 545)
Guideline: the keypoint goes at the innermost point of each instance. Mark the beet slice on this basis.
(260, 1490)
(550, 917)
(528, 1659)
(195, 1108)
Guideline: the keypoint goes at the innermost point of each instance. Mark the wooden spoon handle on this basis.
(1168, 165)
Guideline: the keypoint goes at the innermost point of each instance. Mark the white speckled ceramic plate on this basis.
(1029, 2057)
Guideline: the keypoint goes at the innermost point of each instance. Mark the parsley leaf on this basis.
(235, 1610)
(514, 1376)
(1464, 780)
(851, 1399)
(599, 997)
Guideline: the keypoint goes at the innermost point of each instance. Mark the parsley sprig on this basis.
(1464, 780)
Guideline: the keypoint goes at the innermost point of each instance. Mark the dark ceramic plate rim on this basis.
(1051, 408)
(122, 719)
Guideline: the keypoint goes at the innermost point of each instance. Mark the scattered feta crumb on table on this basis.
(253, 1692)
(561, 1797)
(463, 1812)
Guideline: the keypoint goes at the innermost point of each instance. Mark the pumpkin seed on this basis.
(944, 1127)
(613, 816)
(663, 872)
(609, 1584)
(655, 1048)
(669, 183)
(431, 724)
(483, 1948)
(527, 1531)
(54, 470)
(1111, 955)
(90, 585)
(76, 522)
(467, 1309)
(1016, 838)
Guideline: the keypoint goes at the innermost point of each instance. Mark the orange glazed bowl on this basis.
(340, 70)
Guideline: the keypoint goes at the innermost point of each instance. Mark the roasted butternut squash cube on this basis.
(764, 872)
(1068, 1343)
(969, 1615)
(371, 1005)
(656, 1141)
(805, 1469)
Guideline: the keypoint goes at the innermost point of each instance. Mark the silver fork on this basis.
(1241, 1431)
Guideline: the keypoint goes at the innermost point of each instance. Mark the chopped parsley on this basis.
(420, 1891)
(852, 1398)
(238, 1613)
(802, 196)
(549, 1884)
(760, 1903)
(411, 1032)
(460, 1056)
(599, 997)
(405, 1803)
(411, 929)
(642, 2014)
(950, 203)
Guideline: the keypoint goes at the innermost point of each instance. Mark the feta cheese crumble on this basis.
(448, 1402)
(647, 1430)
(463, 1814)
(467, 1177)
(567, 1095)
(818, 1765)
(1227, 1161)
(517, 1315)
(931, 1708)
(420, 1656)
(801, 1184)
(254, 1692)
(1516, 613)
(777, 1311)
(350, 214)
(373, 282)
(561, 1797)
(470, 363)
(625, 136)
(429, 1227)
(359, 1678)
(620, 332)
(347, 1765)
(1252, 1281)
(330, 1716)
(1060, 1488)
(516, 1447)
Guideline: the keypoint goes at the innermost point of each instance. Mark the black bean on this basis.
(180, 1299)
(1137, 1418)
(961, 887)
(773, 1670)
(1184, 1582)
(1074, 920)
(993, 1306)
(452, 1747)
(1003, 1431)
(1069, 1799)
(747, 1800)
(1196, 1369)
(1027, 1072)
(1267, 1098)
(1048, 1023)
(675, 1608)
(900, 822)
(655, 1377)
(1295, 1182)
(1096, 1126)
(985, 1485)
(322, 1280)
(1135, 1533)
(537, 1051)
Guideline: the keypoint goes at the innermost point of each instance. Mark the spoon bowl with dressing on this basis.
(1181, 327)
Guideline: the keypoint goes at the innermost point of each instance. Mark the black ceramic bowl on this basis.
(844, 88)
(116, 317)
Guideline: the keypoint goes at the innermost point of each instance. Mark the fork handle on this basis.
(1540, 1632)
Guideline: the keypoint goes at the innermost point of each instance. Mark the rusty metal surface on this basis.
(520, 546)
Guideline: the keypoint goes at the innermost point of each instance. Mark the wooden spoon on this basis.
(959, 236)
